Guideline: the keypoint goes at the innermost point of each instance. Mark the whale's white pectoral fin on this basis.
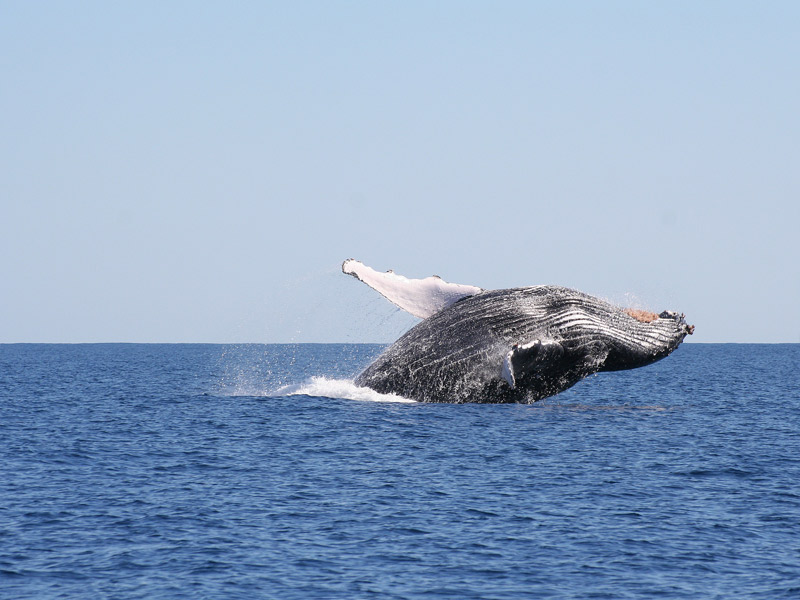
(420, 297)
(508, 370)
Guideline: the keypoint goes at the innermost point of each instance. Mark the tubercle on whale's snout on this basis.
(680, 318)
(689, 329)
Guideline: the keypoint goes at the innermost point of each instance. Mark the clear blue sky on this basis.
(197, 172)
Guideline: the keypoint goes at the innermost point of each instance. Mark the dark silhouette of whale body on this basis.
(513, 345)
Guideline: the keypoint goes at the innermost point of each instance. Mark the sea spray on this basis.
(337, 388)
(271, 369)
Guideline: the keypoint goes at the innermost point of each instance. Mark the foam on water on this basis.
(338, 388)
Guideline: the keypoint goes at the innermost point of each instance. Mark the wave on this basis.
(337, 388)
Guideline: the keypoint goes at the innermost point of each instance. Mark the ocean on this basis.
(260, 471)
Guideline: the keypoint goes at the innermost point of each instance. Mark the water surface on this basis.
(185, 471)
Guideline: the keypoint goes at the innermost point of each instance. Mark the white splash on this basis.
(338, 388)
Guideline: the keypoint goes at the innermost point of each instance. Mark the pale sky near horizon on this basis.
(197, 172)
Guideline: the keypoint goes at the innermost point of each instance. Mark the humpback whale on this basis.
(511, 345)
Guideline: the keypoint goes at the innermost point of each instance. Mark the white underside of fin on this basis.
(420, 297)
(508, 371)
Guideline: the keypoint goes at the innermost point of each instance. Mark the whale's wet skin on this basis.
(514, 345)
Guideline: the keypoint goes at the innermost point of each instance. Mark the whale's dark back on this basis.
(457, 354)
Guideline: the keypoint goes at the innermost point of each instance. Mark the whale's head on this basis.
(646, 338)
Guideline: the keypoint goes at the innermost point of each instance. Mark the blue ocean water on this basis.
(206, 471)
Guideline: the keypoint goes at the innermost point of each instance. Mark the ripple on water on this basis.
(131, 471)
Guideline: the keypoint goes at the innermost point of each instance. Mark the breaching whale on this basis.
(512, 345)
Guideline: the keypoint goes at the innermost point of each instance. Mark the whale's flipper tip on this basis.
(348, 267)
